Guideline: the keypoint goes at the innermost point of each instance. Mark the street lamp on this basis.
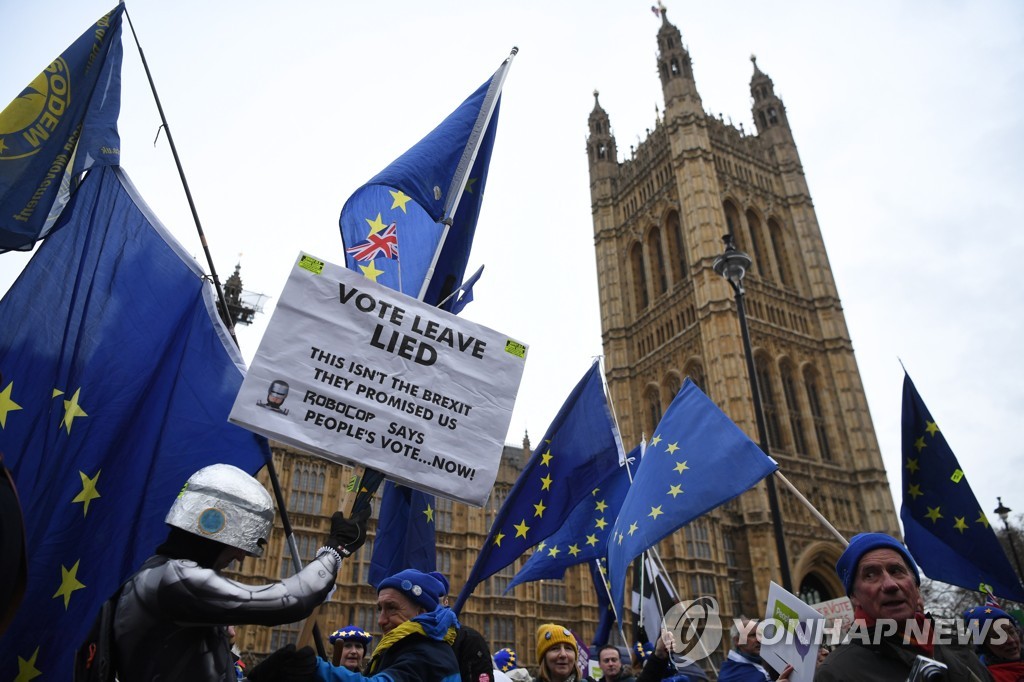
(733, 265)
(1004, 514)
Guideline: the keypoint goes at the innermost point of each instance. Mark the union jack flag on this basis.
(381, 245)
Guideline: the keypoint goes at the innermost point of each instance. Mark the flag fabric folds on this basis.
(578, 451)
(697, 460)
(584, 535)
(944, 527)
(652, 596)
(117, 381)
(62, 123)
(405, 533)
(440, 180)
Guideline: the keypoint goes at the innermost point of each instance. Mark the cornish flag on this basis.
(381, 245)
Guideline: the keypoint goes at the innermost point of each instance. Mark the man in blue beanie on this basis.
(418, 634)
(890, 628)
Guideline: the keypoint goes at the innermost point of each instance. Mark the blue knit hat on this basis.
(351, 633)
(439, 577)
(421, 588)
(505, 659)
(861, 544)
(982, 613)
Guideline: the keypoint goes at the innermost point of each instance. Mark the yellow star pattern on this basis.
(591, 540)
(538, 509)
(27, 669)
(675, 490)
(68, 583)
(681, 467)
(498, 538)
(89, 492)
(7, 404)
(915, 491)
(656, 512)
(601, 523)
(553, 552)
(912, 465)
(931, 427)
(601, 506)
(545, 483)
(672, 447)
(960, 524)
(370, 271)
(72, 410)
(573, 550)
(521, 529)
(919, 444)
(982, 519)
(400, 200)
(633, 528)
(933, 514)
(541, 546)
(429, 513)
(376, 225)
(545, 459)
(470, 183)
(655, 441)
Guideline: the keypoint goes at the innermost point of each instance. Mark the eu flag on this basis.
(118, 378)
(578, 451)
(405, 533)
(697, 460)
(394, 225)
(62, 123)
(584, 535)
(945, 529)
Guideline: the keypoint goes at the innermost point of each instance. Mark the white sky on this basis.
(907, 116)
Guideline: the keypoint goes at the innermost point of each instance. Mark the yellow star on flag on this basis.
(72, 410)
(681, 467)
(591, 540)
(27, 669)
(400, 200)
(370, 271)
(498, 538)
(469, 184)
(573, 550)
(933, 514)
(601, 523)
(960, 524)
(539, 509)
(655, 441)
(601, 506)
(429, 513)
(982, 519)
(912, 465)
(545, 483)
(919, 444)
(633, 528)
(7, 404)
(68, 583)
(521, 529)
(914, 491)
(672, 447)
(656, 512)
(675, 490)
(376, 225)
(545, 459)
(553, 552)
(89, 492)
(931, 427)
(541, 546)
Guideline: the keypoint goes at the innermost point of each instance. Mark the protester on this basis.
(744, 662)
(418, 634)
(505, 659)
(889, 630)
(663, 664)
(350, 644)
(171, 617)
(640, 653)
(471, 649)
(1000, 647)
(557, 652)
(610, 660)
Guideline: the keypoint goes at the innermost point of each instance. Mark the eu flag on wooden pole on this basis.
(118, 377)
(411, 226)
(944, 526)
(63, 123)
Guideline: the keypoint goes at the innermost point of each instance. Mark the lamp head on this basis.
(733, 263)
(1002, 510)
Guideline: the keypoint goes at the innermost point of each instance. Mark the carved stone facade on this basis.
(659, 217)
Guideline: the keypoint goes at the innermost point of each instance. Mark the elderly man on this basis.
(744, 663)
(890, 631)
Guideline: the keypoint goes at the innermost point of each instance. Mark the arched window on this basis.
(732, 221)
(307, 489)
(757, 246)
(653, 409)
(796, 422)
(817, 413)
(654, 248)
(813, 590)
(672, 385)
(677, 246)
(636, 257)
(768, 404)
(779, 247)
(695, 371)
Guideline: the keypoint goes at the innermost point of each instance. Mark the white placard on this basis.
(359, 373)
(791, 634)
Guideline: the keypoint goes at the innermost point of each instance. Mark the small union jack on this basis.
(381, 245)
(990, 597)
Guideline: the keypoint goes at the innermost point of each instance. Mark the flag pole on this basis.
(608, 591)
(656, 556)
(807, 503)
(461, 176)
(229, 323)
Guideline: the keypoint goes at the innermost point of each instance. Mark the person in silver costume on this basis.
(171, 617)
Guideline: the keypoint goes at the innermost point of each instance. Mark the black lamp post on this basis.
(1004, 513)
(733, 265)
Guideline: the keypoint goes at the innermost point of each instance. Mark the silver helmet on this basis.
(223, 503)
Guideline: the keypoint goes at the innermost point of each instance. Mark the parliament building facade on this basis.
(658, 220)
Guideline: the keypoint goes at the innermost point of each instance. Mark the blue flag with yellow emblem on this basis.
(64, 122)
(697, 460)
(117, 381)
(425, 204)
(405, 533)
(578, 451)
(584, 535)
(944, 527)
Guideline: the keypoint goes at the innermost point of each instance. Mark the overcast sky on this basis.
(907, 115)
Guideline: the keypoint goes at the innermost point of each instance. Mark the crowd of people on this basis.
(173, 620)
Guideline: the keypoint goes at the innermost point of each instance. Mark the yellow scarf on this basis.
(407, 628)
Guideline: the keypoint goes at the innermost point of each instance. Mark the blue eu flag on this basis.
(118, 378)
(697, 460)
(405, 533)
(393, 226)
(62, 123)
(578, 451)
(945, 529)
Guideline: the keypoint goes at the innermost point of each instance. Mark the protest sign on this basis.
(790, 634)
(359, 373)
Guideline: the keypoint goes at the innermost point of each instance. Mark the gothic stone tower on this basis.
(659, 217)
